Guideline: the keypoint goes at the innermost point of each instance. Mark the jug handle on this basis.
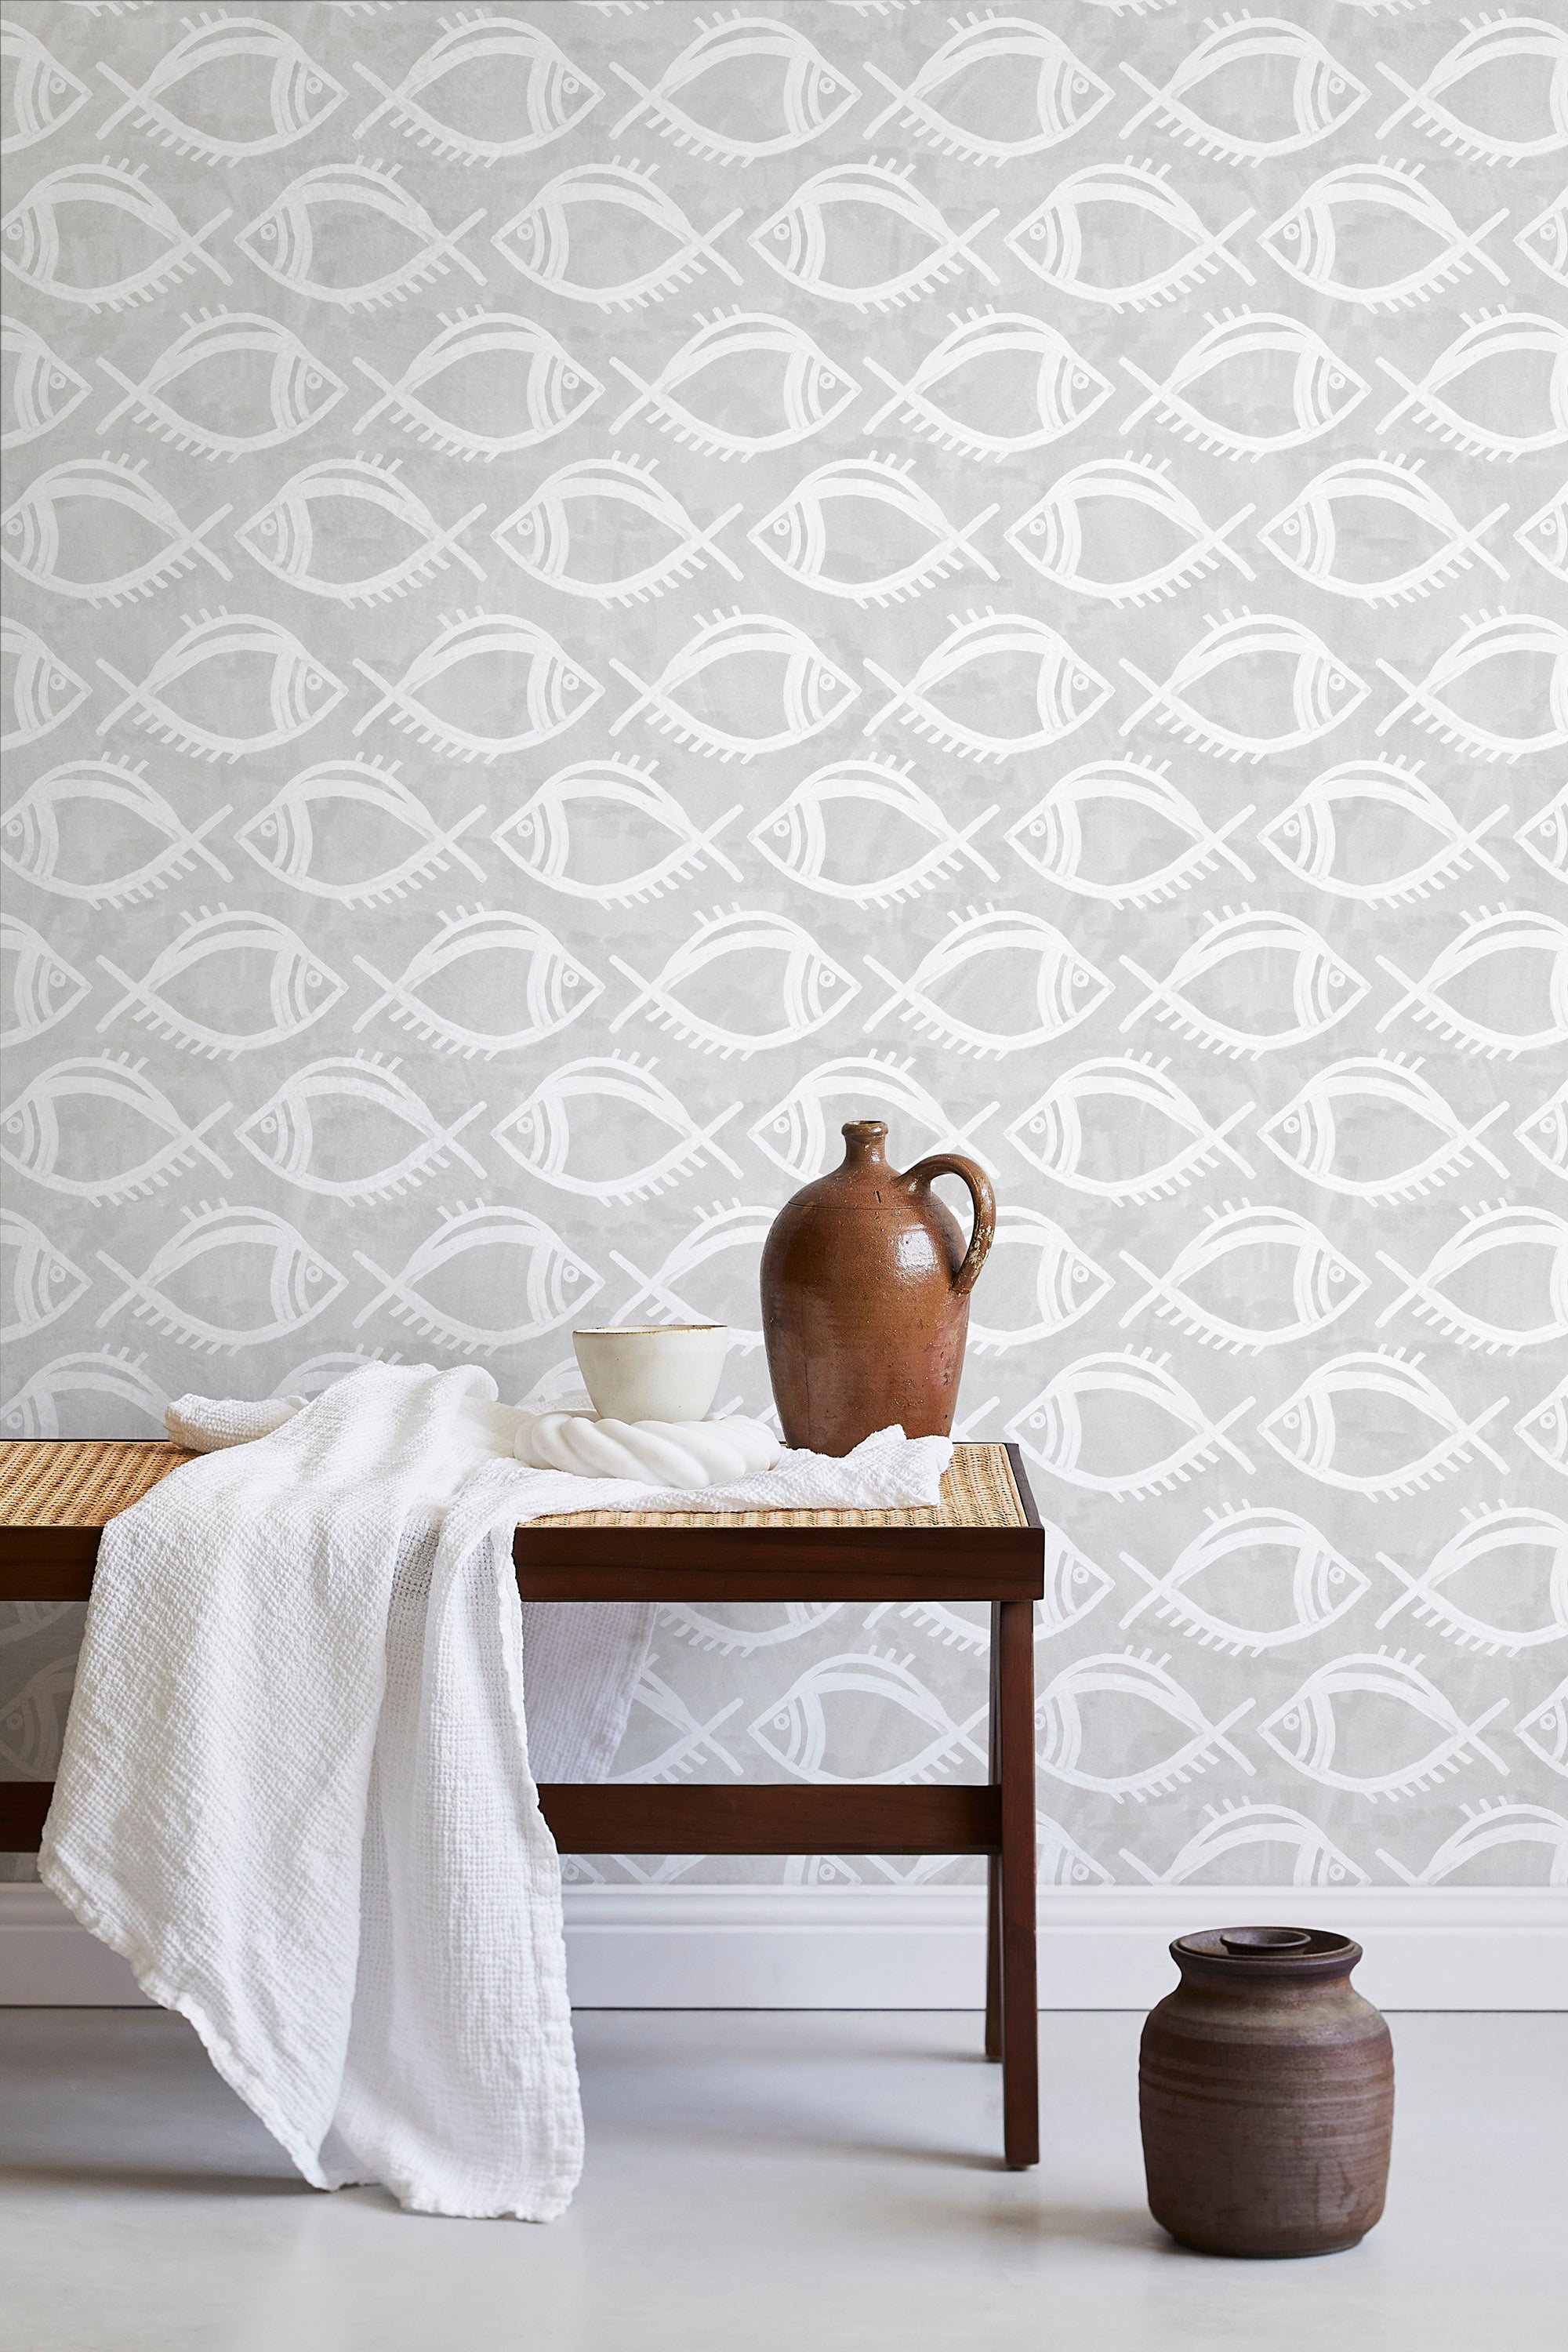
(981, 1198)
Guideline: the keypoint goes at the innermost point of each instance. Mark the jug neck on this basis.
(863, 1142)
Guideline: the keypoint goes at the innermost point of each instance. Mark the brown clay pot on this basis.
(1266, 2091)
(865, 1284)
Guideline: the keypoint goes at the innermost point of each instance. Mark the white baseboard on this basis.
(922, 1948)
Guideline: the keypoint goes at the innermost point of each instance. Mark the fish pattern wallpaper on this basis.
(594, 589)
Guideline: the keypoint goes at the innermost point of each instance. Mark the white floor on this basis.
(763, 2182)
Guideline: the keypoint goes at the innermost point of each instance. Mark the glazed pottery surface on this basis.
(1266, 2093)
(865, 1284)
(657, 1371)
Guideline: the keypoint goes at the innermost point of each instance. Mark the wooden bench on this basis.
(983, 1542)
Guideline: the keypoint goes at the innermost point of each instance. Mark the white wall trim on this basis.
(674, 1947)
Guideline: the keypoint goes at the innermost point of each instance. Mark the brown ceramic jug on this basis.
(1266, 2091)
(865, 1284)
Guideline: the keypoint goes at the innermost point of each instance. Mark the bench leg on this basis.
(993, 1959)
(1013, 1649)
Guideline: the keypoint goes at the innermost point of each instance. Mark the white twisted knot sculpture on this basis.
(655, 1453)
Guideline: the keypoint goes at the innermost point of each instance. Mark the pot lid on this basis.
(1273, 1951)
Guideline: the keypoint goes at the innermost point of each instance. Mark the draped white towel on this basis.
(296, 1790)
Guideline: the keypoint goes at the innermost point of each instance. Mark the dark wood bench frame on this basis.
(1002, 1565)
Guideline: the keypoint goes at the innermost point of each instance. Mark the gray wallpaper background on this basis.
(593, 589)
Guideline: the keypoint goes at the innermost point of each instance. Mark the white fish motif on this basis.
(237, 668)
(1487, 1830)
(796, 1729)
(1545, 240)
(1545, 537)
(712, 1630)
(1121, 1425)
(540, 991)
(1498, 41)
(1009, 384)
(508, 68)
(41, 388)
(351, 831)
(1488, 939)
(1121, 1130)
(352, 530)
(1532, 717)
(1372, 1129)
(288, 94)
(810, 988)
(1252, 1013)
(1064, 1284)
(835, 533)
(38, 691)
(1065, 1718)
(1545, 836)
(616, 220)
(41, 95)
(35, 246)
(1234, 1829)
(1499, 390)
(1255, 383)
(64, 1398)
(1315, 1729)
(1038, 688)
(286, 391)
(1272, 1277)
(722, 1242)
(746, 683)
(1059, 1860)
(1544, 1134)
(40, 987)
(271, 1269)
(1001, 71)
(607, 830)
(1057, 239)
(32, 1724)
(1253, 1556)
(297, 986)
(803, 240)
(39, 1282)
(350, 1128)
(1378, 1410)
(1336, 533)
(1062, 533)
(494, 369)
(494, 667)
(877, 801)
(799, 1133)
(1325, 232)
(96, 1128)
(1477, 1312)
(333, 219)
(1089, 815)
(608, 1112)
(1292, 94)
(765, 385)
(41, 538)
(1544, 1731)
(694, 1743)
(1293, 689)
(791, 92)
(606, 528)
(1497, 1540)
(537, 1273)
(1056, 989)
(97, 815)
(1349, 807)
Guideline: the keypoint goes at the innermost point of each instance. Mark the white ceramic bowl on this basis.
(655, 1371)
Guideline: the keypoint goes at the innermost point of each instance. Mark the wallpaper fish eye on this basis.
(592, 589)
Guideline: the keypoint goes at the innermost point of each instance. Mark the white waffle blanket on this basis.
(296, 1790)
